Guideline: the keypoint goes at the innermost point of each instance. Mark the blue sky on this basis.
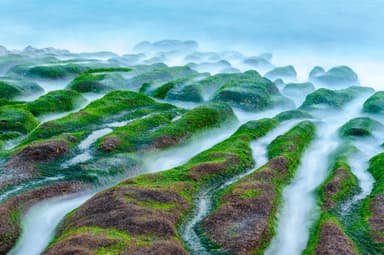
(349, 26)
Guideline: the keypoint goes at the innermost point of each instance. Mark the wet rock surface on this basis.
(13, 209)
(333, 241)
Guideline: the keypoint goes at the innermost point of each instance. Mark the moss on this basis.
(11, 88)
(375, 103)
(8, 91)
(97, 80)
(55, 71)
(161, 75)
(16, 118)
(341, 184)
(288, 146)
(362, 126)
(233, 155)
(56, 101)
(134, 136)
(162, 91)
(250, 190)
(293, 114)
(339, 187)
(335, 99)
(249, 92)
(114, 106)
(188, 93)
(88, 82)
(315, 235)
(168, 133)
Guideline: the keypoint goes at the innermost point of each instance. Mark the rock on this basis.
(167, 46)
(286, 73)
(12, 209)
(340, 76)
(362, 126)
(333, 241)
(262, 62)
(3, 51)
(375, 103)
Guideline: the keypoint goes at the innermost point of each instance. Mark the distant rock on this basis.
(170, 46)
(375, 103)
(198, 57)
(286, 73)
(340, 76)
(3, 51)
(29, 50)
(213, 67)
(260, 62)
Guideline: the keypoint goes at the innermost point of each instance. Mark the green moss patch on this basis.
(375, 103)
(56, 101)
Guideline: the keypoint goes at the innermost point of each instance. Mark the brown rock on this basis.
(241, 224)
(333, 241)
(376, 221)
(110, 144)
(9, 229)
(333, 187)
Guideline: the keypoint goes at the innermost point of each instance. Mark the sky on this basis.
(336, 30)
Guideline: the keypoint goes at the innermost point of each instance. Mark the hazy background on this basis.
(299, 31)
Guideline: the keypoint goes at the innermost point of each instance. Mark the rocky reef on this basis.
(165, 132)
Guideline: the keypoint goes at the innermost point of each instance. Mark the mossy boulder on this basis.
(330, 238)
(16, 118)
(262, 62)
(53, 72)
(188, 93)
(244, 218)
(114, 106)
(168, 133)
(286, 73)
(160, 76)
(340, 76)
(10, 88)
(183, 89)
(334, 99)
(56, 101)
(375, 103)
(99, 80)
(151, 207)
(250, 92)
(293, 114)
(362, 126)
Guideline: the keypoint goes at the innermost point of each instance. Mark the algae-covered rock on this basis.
(362, 126)
(114, 106)
(340, 76)
(54, 71)
(56, 101)
(287, 73)
(151, 207)
(160, 76)
(242, 222)
(16, 118)
(292, 114)
(375, 103)
(11, 88)
(100, 80)
(335, 99)
(250, 92)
